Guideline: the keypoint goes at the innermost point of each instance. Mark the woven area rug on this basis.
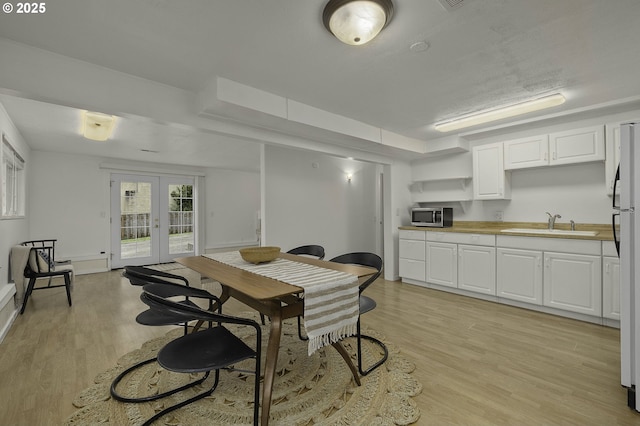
(308, 390)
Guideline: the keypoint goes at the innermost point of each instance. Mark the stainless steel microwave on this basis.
(438, 217)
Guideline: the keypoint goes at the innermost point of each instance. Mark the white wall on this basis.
(14, 231)
(232, 200)
(577, 192)
(70, 200)
(304, 204)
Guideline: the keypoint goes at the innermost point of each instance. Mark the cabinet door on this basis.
(526, 152)
(477, 269)
(611, 288)
(489, 178)
(519, 275)
(573, 282)
(442, 264)
(577, 146)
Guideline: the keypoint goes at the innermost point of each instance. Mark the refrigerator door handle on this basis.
(615, 185)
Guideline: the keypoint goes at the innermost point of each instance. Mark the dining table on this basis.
(272, 298)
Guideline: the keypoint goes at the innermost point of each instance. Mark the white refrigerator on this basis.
(626, 226)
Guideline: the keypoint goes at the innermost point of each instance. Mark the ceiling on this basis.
(483, 54)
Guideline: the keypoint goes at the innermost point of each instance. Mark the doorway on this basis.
(152, 219)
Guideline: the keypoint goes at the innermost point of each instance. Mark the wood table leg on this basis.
(224, 296)
(271, 361)
(345, 355)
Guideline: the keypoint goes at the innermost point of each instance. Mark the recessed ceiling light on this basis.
(419, 46)
(500, 113)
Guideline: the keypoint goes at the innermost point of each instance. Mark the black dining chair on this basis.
(309, 250)
(313, 250)
(141, 276)
(210, 349)
(366, 303)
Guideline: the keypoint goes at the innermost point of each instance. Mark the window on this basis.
(13, 181)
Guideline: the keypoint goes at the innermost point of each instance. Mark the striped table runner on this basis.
(331, 298)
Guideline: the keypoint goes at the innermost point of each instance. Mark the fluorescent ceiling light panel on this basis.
(500, 113)
(97, 126)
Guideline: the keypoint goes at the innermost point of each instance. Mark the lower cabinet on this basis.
(442, 264)
(477, 269)
(572, 275)
(572, 282)
(412, 255)
(519, 275)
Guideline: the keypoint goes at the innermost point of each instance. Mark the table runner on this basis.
(331, 298)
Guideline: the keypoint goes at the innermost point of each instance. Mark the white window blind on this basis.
(13, 181)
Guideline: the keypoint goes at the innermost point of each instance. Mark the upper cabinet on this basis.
(577, 146)
(526, 152)
(490, 181)
(568, 147)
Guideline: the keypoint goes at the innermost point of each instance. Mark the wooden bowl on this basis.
(259, 254)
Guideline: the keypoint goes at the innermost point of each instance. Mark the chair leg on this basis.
(300, 330)
(27, 293)
(361, 336)
(187, 402)
(115, 395)
(67, 285)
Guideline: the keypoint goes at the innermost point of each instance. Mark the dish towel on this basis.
(331, 298)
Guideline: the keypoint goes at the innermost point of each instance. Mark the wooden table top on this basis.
(257, 286)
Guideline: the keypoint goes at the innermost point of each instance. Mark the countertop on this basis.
(495, 228)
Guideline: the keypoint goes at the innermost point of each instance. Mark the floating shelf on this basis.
(418, 185)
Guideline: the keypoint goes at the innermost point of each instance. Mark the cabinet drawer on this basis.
(592, 247)
(412, 269)
(462, 238)
(412, 249)
(412, 235)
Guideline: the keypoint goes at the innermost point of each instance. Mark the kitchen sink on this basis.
(551, 232)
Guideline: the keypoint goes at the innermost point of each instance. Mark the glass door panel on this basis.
(179, 236)
(134, 220)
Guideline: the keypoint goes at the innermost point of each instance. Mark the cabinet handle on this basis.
(554, 155)
(546, 262)
(606, 268)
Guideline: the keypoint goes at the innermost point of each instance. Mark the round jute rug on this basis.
(308, 390)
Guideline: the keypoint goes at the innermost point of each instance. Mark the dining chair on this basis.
(41, 263)
(367, 304)
(313, 250)
(309, 250)
(211, 349)
(167, 287)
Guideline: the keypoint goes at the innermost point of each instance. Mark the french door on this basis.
(152, 219)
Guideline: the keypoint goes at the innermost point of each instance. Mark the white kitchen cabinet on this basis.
(526, 152)
(519, 275)
(490, 181)
(442, 264)
(577, 146)
(573, 282)
(412, 255)
(477, 268)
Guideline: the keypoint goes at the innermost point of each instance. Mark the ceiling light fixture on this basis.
(356, 22)
(97, 126)
(500, 113)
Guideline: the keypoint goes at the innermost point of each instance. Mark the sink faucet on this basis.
(552, 220)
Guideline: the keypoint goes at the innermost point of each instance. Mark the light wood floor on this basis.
(480, 363)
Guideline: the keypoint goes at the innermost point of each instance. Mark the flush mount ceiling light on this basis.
(356, 22)
(97, 126)
(500, 113)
